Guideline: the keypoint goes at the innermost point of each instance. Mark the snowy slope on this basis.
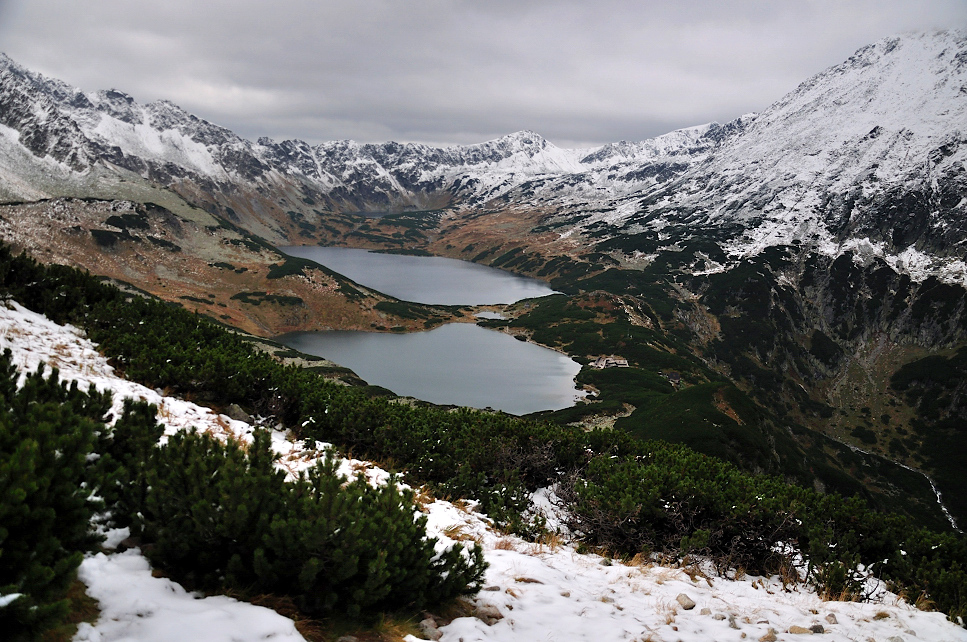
(532, 591)
(870, 152)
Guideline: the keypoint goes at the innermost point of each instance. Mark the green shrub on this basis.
(46, 434)
(219, 515)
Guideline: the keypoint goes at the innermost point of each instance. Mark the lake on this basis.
(458, 363)
(424, 279)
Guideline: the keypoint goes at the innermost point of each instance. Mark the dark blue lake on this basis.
(424, 279)
(458, 363)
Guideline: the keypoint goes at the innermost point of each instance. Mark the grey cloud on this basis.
(453, 71)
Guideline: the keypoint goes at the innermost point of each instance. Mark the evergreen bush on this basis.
(46, 434)
(219, 514)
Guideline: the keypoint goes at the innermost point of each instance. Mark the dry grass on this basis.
(662, 574)
(459, 533)
(668, 610)
(83, 608)
(423, 497)
(924, 603)
(640, 560)
(387, 628)
(789, 575)
(505, 544)
(552, 541)
(311, 629)
(460, 607)
(527, 580)
(694, 572)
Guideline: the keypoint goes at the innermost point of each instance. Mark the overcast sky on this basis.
(580, 72)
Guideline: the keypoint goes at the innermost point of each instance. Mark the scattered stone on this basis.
(491, 588)
(565, 594)
(128, 543)
(607, 600)
(911, 632)
(706, 611)
(799, 630)
(831, 618)
(770, 636)
(348, 638)
(489, 613)
(234, 411)
(895, 638)
(718, 616)
(429, 629)
(687, 603)
(817, 628)
(732, 622)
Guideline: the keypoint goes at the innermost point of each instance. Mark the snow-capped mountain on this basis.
(865, 156)
(55, 137)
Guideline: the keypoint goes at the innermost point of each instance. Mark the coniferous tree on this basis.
(46, 435)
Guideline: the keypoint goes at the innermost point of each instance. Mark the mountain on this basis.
(799, 268)
(866, 156)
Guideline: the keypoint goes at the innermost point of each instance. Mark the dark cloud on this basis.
(440, 71)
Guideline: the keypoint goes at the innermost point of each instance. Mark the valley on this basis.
(787, 293)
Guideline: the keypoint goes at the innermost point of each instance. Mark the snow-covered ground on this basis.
(532, 591)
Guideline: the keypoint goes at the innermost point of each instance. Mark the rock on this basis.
(831, 618)
(718, 616)
(817, 628)
(127, 543)
(686, 602)
(565, 594)
(770, 636)
(895, 638)
(491, 588)
(799, 630)
(234, 411)
(705, 611)
(732, 622)
(489, 613)
(429, 630)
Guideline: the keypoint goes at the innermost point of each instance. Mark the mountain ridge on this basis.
(878, 132)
